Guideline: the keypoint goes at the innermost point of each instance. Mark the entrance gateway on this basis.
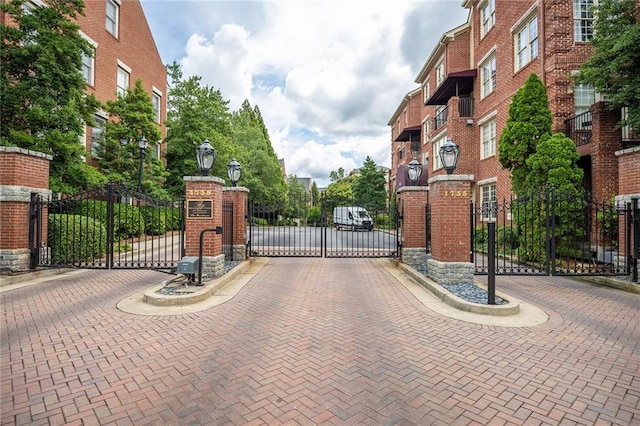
(297, 228)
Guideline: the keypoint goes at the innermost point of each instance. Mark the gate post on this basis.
(22, 173)
(203, 210)
(238, 195)
(449, 199)
(414, 223)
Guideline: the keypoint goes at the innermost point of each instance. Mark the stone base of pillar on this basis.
(239, 252)
(414, 256)
(450, 272)
(213, 266)
(16, 260)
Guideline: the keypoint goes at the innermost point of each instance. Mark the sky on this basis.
(327, 75)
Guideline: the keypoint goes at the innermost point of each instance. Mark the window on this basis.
(489, 205)
(156, 100)
(88, 67)
(400, 154)
(488, 76)
(427, 92)
(584, 96)
(437, 164)
(487, 16)
(155, 150)
(488, 139)
(113, 12)
(526, 43)
(122, 81)
(582, 20)
(425, 131)
(97, 136)
(440, 73)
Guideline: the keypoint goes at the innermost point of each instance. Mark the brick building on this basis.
(125, 51)
(467, 83)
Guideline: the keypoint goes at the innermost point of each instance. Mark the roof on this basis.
(405, 101)
(439, 49)
(456, 83)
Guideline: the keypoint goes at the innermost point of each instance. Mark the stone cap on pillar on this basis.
(235, 189)
(203, 179)
(451, 178)
(412, 189)
(18, 150)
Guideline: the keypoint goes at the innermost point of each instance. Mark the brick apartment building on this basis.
(124, 52)
(467, 83)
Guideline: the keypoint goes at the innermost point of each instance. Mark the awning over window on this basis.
(409, 134)
(456, 84)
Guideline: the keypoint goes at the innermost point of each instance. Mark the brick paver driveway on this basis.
(336, 341)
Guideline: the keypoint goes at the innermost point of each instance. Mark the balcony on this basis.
(441, 118)
(578, 128)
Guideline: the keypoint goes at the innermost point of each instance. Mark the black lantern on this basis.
(143, 144)
(449, 153)
(206, 155)
(234, 170)
(414, 170)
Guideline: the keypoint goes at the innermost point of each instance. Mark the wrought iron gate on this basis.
(301, 229)
(549, 233)
(111, 228)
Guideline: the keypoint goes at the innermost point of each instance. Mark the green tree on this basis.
(315, 194)
(552, 167)
(338, 193)
(44, 107)
(369, 187)
(131, 117)
(336, 175)
(529, 121)
(614, 66)
(297, 197)
(195, 113)
(261, 171)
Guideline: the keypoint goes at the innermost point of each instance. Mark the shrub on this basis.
(508, 238)
(127, 219)
(173, 218)
(75, 237)
(154, 220)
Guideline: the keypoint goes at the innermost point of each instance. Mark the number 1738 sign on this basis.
(453, 193)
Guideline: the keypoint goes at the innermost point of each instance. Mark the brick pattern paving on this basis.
(311, 341)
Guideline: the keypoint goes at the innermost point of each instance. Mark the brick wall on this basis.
(629, 171)
(605, 141)
(413, 200)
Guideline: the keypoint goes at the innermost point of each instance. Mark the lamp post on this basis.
(142, 144)
(206, 155)
(449, 153)
(234, 170)
(414, 170)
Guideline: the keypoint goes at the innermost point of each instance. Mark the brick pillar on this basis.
(450, 198)
(606, 139)
(204, 211)
(413, 200)
(238, 196)
(22, 173)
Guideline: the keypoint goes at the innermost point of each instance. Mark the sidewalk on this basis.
(315, 341)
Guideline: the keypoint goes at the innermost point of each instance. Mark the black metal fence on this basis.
(548, 233)
(111, 228)
(227, 229)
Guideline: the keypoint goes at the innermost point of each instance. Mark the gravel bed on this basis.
(467, 291)
(177, 291)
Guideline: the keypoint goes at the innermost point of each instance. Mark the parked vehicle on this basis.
(353, 218)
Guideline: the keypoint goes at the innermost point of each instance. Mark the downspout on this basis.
(543, 30)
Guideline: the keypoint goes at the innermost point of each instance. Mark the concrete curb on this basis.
(508, 309)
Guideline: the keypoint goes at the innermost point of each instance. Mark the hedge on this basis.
(75, 237)
(128, 221)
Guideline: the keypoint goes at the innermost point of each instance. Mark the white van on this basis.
(353, 218)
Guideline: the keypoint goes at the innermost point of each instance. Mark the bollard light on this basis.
(234, 170)
(414, 170)
(449, 153)
(206, 155)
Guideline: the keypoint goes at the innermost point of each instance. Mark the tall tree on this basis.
(529, 121)
(44, 107)
(130, 118)
(195, 113)
(614, 66)
(261, 171)
(369, 188)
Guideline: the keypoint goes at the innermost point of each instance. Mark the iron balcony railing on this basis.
(441, 118)
(578, 128)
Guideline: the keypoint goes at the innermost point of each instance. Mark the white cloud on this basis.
(327, 75)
